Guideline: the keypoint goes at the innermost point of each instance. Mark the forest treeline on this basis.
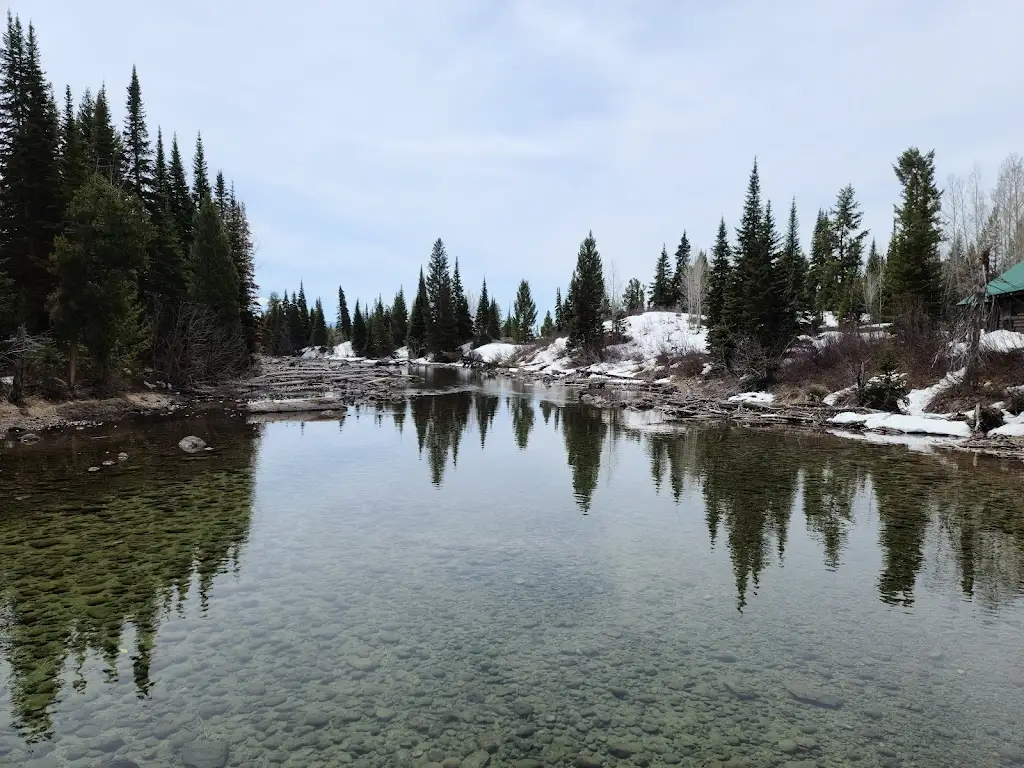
(111, 258)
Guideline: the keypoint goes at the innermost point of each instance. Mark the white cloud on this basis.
(360, 132)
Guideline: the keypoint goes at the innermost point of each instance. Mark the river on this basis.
(494, 575)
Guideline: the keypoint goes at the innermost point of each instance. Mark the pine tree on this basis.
(662, 290)
(494, 321)
(138, 155)
(443, 333)
(344, 325)
(399, 319)
(682, 267)
(633, 297)
(97, 261)
(220, 194)
(913, 271)
(302, 313)
(792, 271)
(419, 320)
(483, 308)
(585, 297)
(547, 328)
(508, 328)
(360, 335)
(524, 314)
(849, 253)
(559, 319)
(200, 174)
(84, 120)
(750, 275)
(213, 279)
(463, 319)
(31, 192)
(166, 279)
(719, 332)
(380, 324)
(183, 209)
(236, 222)
(821, 289)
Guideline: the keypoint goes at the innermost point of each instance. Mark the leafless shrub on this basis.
(687, 364)
(197, 350)
(1014, 403)
(921, 346)
(754, 365)
(24, 355)
(834, 361)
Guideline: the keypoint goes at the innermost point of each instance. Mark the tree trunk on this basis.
(72, 365)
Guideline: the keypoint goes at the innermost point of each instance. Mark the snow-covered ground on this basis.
(496, 351)
(753, 397)
(921, 424)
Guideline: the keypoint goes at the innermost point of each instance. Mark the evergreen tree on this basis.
(97, 261)
(220, 194)
(874, 277)
(633, 297)
(494, 321)
(165, 279)
(318, 325)
(913, 271)
(302, 314)
(821, 291)
(508, 328)
(792, 271)
(73, 168)
(662, 289)
(682, 266)
(381, 330)
(524, 314)
(547, 328)
(106, 150)
(213, 278)
(719, 333)
(399, 319)
(559, 319)
(360, 334)
(483, 309)
(585, 297)
(138, 154)
(7, 302)
(849, 254)
(242, 254)
(183, 209)
(419, 320)
(273, 322)
(344, 325)
(200, 174)
(31, 192)
(443, 331)
(85, 112)
(463, 319)
(749, 302)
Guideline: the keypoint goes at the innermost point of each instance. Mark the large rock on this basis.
(205, 754)
(192, 444)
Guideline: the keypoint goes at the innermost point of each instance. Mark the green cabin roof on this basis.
(1011, 281)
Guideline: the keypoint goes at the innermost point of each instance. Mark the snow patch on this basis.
(495, 351)
(919, 424)
(918, 399)
(753, 397)
(1002, 341)
(344, 350)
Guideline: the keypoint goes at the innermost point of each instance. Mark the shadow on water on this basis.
(94, 564)
(112, 552)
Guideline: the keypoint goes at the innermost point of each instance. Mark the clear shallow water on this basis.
(495, 577)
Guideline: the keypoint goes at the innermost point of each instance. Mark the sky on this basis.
(358, 133)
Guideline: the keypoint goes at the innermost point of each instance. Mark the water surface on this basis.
(495, 574)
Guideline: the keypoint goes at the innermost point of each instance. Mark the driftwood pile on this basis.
(294, 385)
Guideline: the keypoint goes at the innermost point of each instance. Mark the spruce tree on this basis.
(463, 319)
(220, 193)
(166, 279)
(31, 192)
(633, 297)
(874, 276)
(483, 308)
(494, 321)
(682, 267)
(913, 271)
(585, 297)
(663, 292)
(318, 326)
(360, 334)
(107, 151)
(7, 302)
(719, 332)
(419, 320)
(849, 254)
(524, 314)
(73, 168)
(508, 329)
(213, 279)
(547, 328)
(183, 209)
(443, 332)
(200, 174)
(344, 325)
(97, 261)
(792, 270)
(751, 275)
(399, 319)
(138, 154)
(559, 319)
(236, 222)
(821, 292)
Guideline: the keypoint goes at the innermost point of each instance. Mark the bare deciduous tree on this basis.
(1008, 202)
(696, 286)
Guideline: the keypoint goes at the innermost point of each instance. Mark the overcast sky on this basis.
(358, 133)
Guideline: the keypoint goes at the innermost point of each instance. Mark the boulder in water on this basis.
(192, 444)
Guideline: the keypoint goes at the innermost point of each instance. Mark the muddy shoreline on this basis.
(288, 388)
